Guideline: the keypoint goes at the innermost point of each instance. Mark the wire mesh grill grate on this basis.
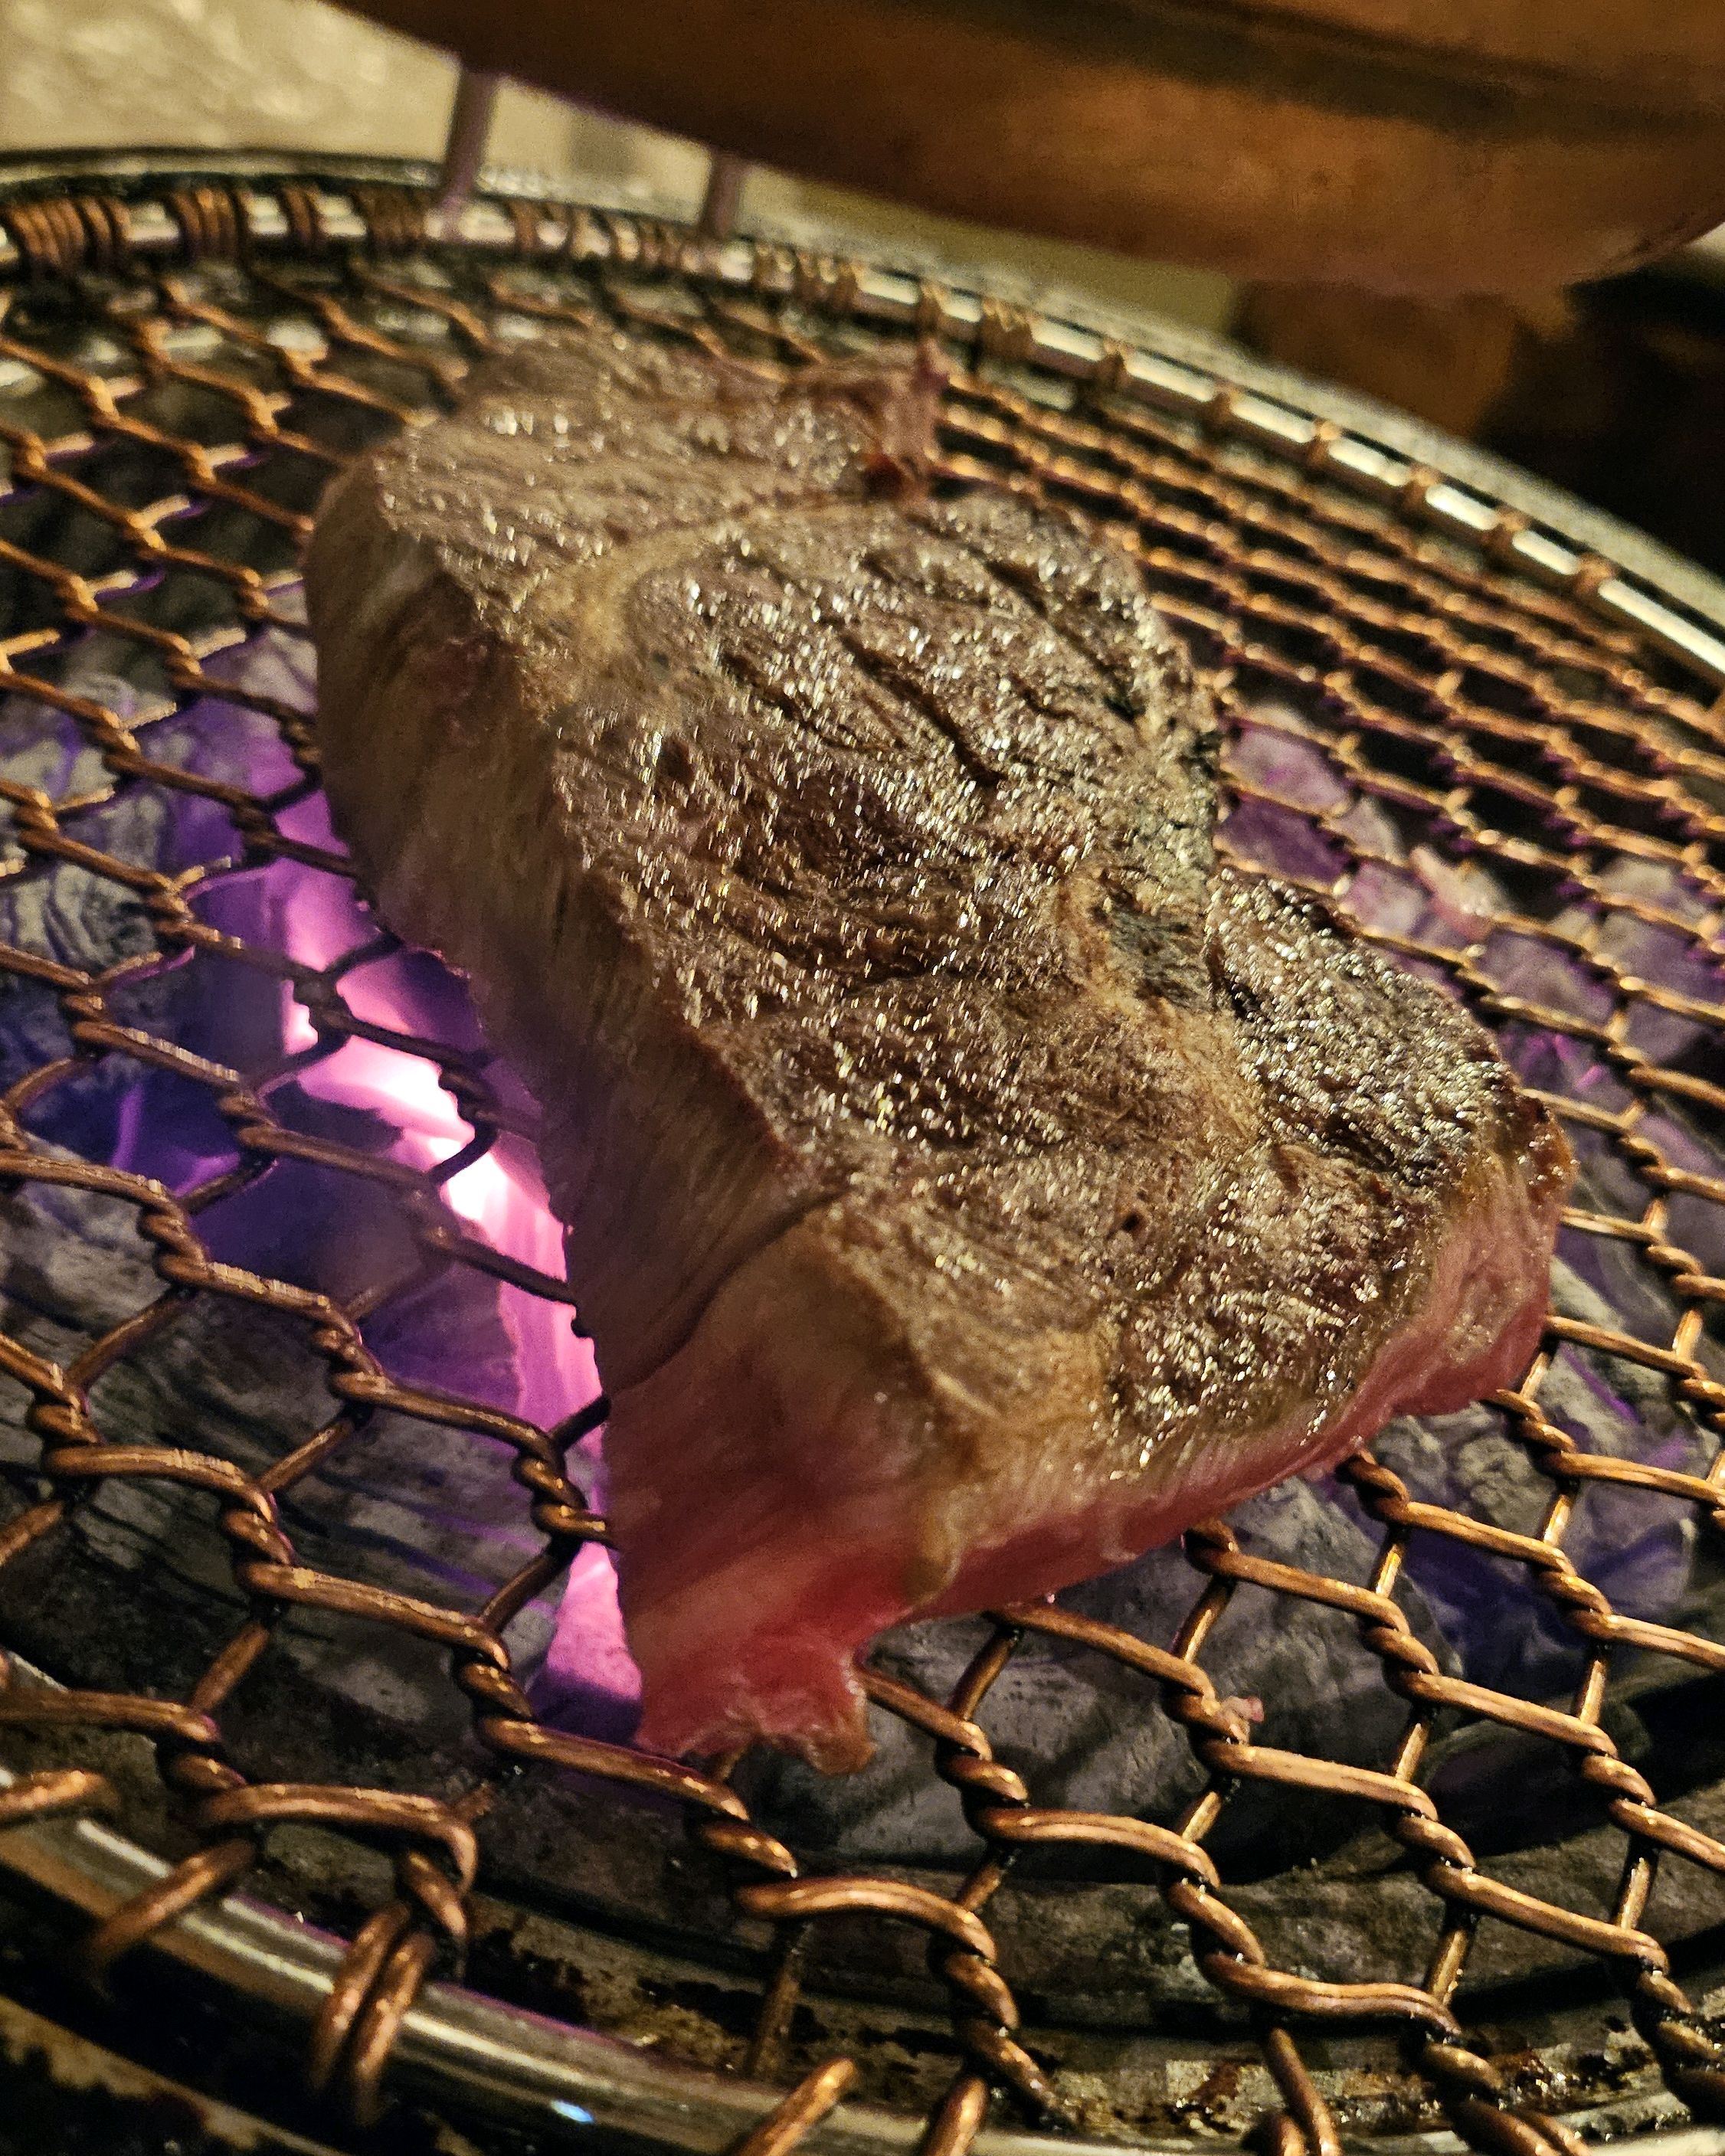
(1475, 738)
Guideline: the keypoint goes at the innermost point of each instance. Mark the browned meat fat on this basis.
(967, 1185)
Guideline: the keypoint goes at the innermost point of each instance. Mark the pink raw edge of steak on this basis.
(763, 1646)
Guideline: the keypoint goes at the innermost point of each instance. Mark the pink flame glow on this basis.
(500, 1198)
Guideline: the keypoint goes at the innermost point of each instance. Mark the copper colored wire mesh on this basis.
(1520, 726)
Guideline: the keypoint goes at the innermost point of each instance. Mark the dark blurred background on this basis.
(1616, 391)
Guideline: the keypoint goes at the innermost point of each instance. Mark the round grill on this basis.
(295, 1460)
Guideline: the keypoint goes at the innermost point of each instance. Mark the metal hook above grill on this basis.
(718, 203)
(470, 118)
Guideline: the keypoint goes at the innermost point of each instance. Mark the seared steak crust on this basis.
(967, 1184)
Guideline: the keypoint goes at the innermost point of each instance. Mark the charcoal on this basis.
(75, 915)
(408, 1506)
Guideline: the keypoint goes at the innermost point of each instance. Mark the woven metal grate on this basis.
(1497, 752)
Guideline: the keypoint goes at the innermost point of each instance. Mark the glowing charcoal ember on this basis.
(1273, 752)
(499, 1196)
(589, 1681)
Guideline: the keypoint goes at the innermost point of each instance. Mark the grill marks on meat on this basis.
(967, 1185)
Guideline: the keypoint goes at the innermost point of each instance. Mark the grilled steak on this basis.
(968, 1185)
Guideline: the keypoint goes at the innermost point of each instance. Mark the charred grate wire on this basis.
(1549, 729)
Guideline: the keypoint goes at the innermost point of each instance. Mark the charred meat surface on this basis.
(967, 1185)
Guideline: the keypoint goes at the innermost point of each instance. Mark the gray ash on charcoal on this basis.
(149, 1597)
(65, 912)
